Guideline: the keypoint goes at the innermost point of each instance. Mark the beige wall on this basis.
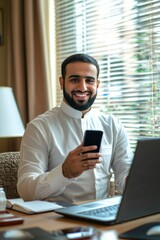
(3, 48)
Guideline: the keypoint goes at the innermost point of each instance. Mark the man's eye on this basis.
(74, 79)
(90, 81)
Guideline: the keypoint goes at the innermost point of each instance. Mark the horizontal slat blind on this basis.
(124, 36)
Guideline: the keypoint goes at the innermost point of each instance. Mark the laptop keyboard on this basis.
(102, 212)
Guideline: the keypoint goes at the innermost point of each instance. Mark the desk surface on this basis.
(52, 221)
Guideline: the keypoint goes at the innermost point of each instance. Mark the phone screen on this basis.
(93, 137)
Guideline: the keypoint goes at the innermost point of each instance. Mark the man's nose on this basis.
(82, 85)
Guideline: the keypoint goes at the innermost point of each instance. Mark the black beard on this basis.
(77, 106)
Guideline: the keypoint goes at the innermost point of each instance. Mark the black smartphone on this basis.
(93, 137)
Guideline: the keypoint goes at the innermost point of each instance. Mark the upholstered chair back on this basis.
(9, 162)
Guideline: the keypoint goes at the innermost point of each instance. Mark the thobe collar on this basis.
(72, 112)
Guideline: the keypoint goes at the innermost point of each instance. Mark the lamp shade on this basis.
(10, 120)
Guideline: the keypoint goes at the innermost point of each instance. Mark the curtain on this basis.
(28, 68)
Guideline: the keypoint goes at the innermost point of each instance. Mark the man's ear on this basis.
(98, 83)
(61, 81)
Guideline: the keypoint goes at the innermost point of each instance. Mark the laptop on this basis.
(141, 196)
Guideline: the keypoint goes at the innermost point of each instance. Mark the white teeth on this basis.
(80, 95)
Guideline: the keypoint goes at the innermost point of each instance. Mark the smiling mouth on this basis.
(81, 95)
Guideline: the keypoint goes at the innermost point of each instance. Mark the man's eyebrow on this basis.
(78, 76)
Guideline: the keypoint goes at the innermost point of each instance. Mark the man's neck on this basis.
(83, 112)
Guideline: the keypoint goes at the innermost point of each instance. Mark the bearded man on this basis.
(54, 163)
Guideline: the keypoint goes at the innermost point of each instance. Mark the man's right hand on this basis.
(80, 160)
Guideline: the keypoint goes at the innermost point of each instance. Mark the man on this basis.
(54, 163)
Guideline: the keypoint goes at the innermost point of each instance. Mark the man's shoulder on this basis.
(107, 119)
(104, 115)
(46, 116)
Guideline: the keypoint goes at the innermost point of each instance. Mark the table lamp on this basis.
(11, 124)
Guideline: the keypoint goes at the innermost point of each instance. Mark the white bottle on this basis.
(3, 200)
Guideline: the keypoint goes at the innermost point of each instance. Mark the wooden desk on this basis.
(52, 221)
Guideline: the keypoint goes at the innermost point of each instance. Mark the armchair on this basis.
(8, 173)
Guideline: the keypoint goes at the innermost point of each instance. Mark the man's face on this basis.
(80, 85)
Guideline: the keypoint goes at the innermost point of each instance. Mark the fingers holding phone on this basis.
(89, 159)
(85, 156)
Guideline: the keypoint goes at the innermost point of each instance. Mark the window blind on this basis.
(124, 36)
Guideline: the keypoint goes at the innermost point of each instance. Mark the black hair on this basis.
(79, 57)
